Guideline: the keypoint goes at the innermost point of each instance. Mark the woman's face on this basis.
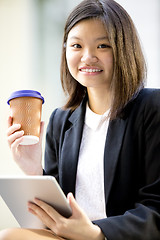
(89, 54)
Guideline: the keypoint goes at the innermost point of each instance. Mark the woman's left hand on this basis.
(76, 227)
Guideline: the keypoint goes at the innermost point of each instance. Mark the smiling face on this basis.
(89, 54)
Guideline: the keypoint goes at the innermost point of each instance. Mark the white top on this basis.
(90, 171)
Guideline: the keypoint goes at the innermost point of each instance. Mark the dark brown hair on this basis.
(129, 64)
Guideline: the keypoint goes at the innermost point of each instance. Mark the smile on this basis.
(89, 70)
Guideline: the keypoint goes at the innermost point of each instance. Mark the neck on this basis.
(99, 100)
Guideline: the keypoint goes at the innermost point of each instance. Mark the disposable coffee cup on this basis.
(26, 109)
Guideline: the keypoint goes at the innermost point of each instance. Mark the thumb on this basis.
(10, 120)
(41, 130)
(74, 205)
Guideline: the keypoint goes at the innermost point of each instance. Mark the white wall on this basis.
(146, 16)
(14, 73)
(30, 46)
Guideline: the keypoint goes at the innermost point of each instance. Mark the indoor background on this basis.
(31, 34)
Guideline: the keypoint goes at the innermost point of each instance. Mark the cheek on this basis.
(109, 64)
(72, 62)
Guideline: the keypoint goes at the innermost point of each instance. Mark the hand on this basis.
(77, 227)
(28, 157)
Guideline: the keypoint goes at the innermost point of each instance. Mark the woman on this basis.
(103, 146)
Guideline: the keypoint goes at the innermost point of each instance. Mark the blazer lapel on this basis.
(70, 150)
(71, 146)
(112, 149)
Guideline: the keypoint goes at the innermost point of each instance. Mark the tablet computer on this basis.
(17, 191)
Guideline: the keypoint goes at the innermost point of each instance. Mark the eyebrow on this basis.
(102, 38)
(97, 39)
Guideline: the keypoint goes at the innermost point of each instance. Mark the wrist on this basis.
(38, 171)
(99, 234)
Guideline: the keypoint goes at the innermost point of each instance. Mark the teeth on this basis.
(90, 70)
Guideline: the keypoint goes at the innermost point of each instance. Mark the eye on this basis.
(104, 46)
(76, 45)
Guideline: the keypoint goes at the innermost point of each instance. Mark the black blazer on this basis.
(131, 165)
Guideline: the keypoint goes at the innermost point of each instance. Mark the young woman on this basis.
(103, 146)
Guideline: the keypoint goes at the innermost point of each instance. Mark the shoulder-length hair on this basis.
(129, 70)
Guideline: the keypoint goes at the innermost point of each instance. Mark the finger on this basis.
(41, 214)
(13, 128)
(15, 138)
(16, 143)
(31, 210)
(48, 209)
(50, 217)
(10, 121)
(36, 210)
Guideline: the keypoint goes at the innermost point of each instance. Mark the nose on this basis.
(89, 57)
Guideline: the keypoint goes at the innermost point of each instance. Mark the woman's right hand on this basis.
(28, 157)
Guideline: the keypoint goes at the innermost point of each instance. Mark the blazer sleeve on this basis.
(54, 140)
(142, 222)
(51, 149)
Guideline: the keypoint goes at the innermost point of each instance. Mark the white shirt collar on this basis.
(93, 120)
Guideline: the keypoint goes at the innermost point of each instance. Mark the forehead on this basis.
(88, 28)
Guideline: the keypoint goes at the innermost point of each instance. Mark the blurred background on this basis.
(31, 34)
